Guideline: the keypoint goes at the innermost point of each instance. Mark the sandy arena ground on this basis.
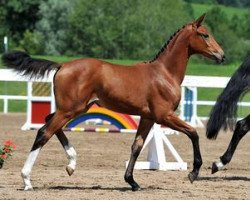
(100, 168)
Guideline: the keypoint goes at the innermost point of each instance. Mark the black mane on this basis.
(166, 44)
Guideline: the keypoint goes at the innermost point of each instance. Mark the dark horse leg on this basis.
(242, 127)
(174, 122)
(141, 135)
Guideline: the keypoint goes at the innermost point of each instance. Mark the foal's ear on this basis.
(198, 22)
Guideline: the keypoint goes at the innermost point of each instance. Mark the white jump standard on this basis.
(156, 158)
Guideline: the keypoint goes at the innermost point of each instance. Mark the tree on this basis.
(17, 17)
(97, 27)
(245, 27)
(54, 26)
(245, 30)
(201, 1)
(32, 42)
(124, 29)
(149, 26)
(236, 3)
(220, 27)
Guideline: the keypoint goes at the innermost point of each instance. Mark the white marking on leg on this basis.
(71, 154)
(93, 100)
(219, 164)
(28, 167)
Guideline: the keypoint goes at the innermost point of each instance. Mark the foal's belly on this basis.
(124, 107)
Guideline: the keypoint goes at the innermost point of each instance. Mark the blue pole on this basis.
(188, 107)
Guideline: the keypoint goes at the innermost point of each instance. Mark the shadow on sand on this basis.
(225, 178)
(98, 187)
(125, 189)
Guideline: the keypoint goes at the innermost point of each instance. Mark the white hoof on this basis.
(219, 164)
(28, 188)
(26, 181)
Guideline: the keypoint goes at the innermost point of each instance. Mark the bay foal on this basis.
(149, 89)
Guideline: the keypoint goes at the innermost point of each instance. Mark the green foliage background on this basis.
(127, 29)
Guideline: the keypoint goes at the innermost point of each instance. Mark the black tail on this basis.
(27, 66)
(224, 112)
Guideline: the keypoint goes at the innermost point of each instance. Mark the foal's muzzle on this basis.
(219, 57)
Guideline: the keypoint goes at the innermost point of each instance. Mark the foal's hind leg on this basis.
(242, 127)
(174, 122)
(69, 149)
(43, 135)
(53, 126)
(141, 135)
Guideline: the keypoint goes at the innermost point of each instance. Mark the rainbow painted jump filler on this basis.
(150, 89)
(123, 123)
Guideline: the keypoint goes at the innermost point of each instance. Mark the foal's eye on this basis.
(205, 36)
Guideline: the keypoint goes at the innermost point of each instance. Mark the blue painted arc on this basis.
(88, 116)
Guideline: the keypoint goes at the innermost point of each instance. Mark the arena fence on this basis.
(35, 97)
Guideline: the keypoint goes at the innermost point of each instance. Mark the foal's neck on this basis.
(175, 57)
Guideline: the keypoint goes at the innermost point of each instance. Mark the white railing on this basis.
(10, 76)
(192, 82)
(195, 82)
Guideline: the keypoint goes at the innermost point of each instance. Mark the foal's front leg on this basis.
(174, 122)
(242, 127)
(141, 135)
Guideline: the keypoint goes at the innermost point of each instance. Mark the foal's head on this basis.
(202, 42)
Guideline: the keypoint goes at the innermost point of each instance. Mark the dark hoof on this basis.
(1, 165)
(192, 177)
(69, 170)
(214, 168)
(136, 188)
(132, 183)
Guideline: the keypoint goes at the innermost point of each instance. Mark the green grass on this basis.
(13, 88)
(211, 94)
(202, 69)
(199, 9)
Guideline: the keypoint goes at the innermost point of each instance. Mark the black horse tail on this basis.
(27, 66)
(224, 113)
